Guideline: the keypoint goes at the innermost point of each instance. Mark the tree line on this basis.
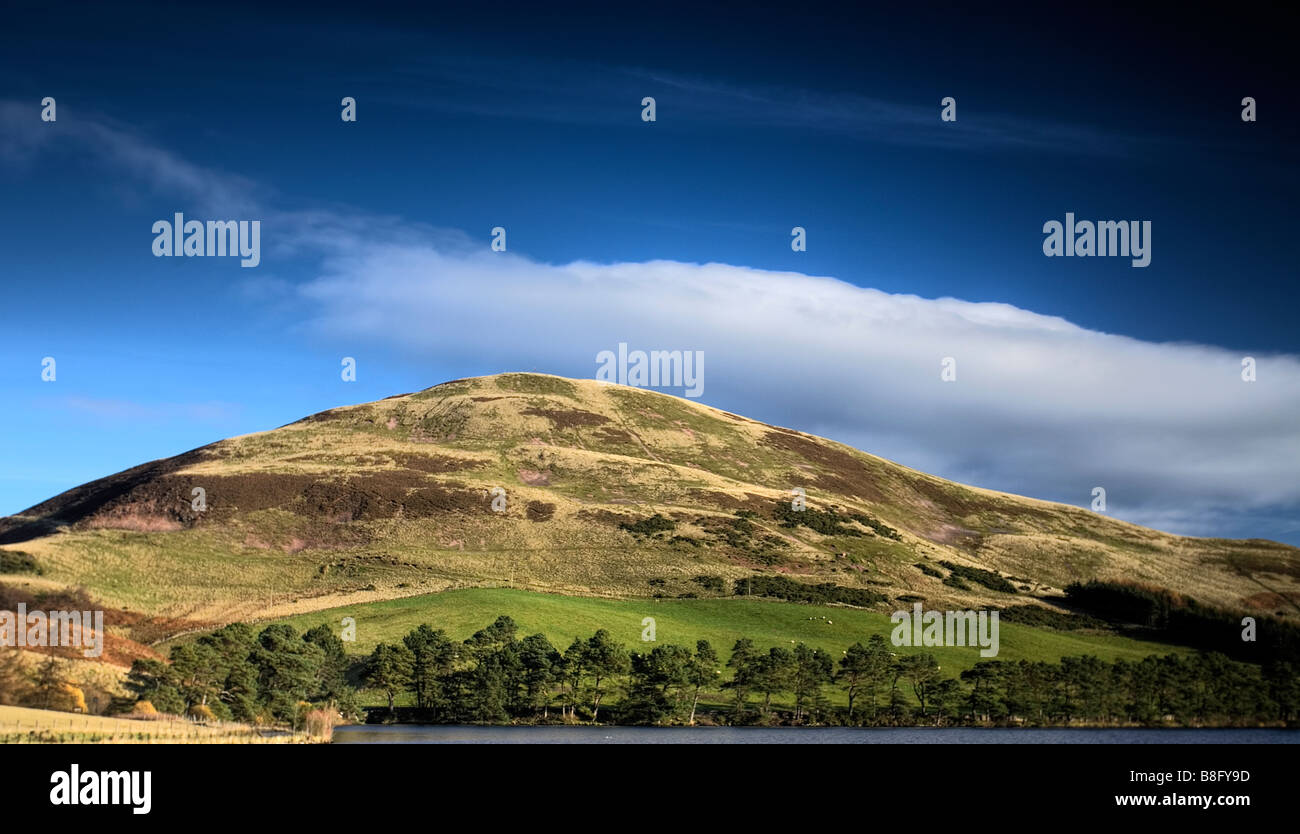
(274, 676)
(495, 676)
(498, 676)
(1161, 614)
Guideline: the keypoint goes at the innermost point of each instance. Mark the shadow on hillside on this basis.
(79, 503)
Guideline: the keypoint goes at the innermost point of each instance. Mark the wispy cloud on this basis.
(580, 93)
(23, 135)
(902, 123)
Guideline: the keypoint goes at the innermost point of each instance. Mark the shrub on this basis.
(830, 522)
(202, 712)
(1035, 615)
(781, 588)
(301, 710)
(15, 561)
(72, 698)
(649, 526)
(827, 522)
(987, 578)
(144, 709)
(881, 528)
(715, 584)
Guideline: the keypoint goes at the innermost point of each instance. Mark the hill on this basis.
(609, 491)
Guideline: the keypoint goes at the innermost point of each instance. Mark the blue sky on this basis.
(375, 233)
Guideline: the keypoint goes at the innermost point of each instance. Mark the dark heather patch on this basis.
(954, 501)
(540, 511)
(608, 434)
(730, 503)
(383, 495)
(842, 472)
(957, 502)
(567, 419)
(365, 497)
(435, 464)
(321, 417)
(225, 495)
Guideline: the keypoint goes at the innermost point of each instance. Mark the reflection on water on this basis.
(420, 734)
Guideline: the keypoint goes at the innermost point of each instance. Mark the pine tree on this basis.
(605, 659)
(389, 670)
(701, 673)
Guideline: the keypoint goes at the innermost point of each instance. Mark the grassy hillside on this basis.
(394, 499)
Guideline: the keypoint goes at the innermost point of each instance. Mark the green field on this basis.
(684, 621)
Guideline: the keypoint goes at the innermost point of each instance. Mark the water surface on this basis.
(445, 734)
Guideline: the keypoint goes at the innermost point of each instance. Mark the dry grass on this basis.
(20, 725)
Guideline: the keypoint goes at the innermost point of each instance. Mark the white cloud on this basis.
(23, 135)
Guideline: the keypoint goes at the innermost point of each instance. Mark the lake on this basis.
(446, 734)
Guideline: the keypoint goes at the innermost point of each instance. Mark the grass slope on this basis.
(684, 621)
